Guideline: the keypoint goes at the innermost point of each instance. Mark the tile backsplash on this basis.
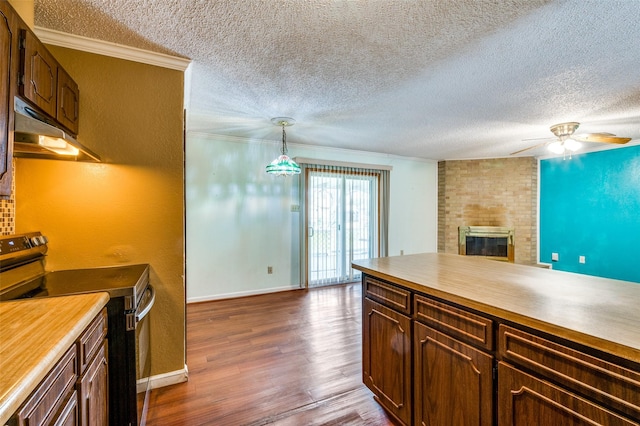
(8, 210)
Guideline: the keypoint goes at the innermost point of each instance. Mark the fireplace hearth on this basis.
(494, 242)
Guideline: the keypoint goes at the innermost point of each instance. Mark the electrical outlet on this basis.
(555, 257)
(295, 207)
(582, 259)
(269, 269)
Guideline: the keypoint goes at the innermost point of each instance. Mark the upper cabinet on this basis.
(29, 70)
(68, 101)
(39, 73)
(45, 83)
(9, 60)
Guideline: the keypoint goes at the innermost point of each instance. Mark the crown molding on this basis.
(85, 44)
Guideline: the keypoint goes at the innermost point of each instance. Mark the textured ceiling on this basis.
(431, 79)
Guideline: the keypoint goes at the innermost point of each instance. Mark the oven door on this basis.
(143, 352)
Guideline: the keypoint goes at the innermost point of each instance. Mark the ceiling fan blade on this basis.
(600, 137)
(531, 147)
(549, 138)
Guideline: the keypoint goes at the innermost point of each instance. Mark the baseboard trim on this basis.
(239, 294)
(170, 378)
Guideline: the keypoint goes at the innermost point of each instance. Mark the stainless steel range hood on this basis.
(37, 136)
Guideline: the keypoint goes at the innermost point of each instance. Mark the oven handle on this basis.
(144, 310)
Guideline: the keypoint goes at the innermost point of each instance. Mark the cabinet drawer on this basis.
(527, 400)
(389, 295)
(91, 339)
(463, 325)
(48, 398)
(610, 384)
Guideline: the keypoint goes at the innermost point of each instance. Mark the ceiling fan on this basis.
(565, 139)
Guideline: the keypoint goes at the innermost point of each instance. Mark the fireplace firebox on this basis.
(494, 242)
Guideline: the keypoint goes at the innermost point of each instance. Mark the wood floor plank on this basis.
(288, 358)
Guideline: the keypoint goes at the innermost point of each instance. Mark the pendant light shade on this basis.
(283, 165)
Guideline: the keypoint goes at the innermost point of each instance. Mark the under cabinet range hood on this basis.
(37, 136)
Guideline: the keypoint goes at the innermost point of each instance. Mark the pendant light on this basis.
(283, 165)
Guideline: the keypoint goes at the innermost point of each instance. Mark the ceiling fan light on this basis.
(556, 147)
(572, 145)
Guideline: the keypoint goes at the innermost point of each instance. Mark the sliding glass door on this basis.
(342, 224)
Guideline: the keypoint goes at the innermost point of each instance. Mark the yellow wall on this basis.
(24, 9)
(129, 209)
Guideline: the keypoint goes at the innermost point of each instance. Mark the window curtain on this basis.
(349, 181)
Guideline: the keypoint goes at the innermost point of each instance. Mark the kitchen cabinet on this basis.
(387, 358)
(528, 400)
(93, 381)
(28, 69)
(8, 69)
(46, 403)
(74, 392)
(488, 350)
(68, 105)
(454, 365)
(93, 391)
(608, 387)
(46, 84)
(39, 73)
(453, 381)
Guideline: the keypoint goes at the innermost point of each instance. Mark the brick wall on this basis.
(495, 192)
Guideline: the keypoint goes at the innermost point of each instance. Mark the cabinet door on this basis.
(93, 392)
(453, 381)
(8, 59)
(68, 101)
(40, 74)
(526, 400)
(386, 356)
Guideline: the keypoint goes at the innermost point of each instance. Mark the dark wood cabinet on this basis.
(453, 381)
(387, 358)
(69, 415)
(45, 404)
(93, 381)
(471, 367)
(38, 82)
(93, 391)
(46, 84)
(527, 400)
(68, 104)
(8, 69)
(28, 69)
(74, 392)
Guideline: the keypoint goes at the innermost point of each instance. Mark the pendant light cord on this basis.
(284, 141)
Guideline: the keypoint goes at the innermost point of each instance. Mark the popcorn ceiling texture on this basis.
(431, 79)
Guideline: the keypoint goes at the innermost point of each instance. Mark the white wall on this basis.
(239, 218)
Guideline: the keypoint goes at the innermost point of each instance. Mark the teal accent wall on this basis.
(590, 206)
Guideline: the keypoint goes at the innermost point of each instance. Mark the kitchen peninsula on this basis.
(451, 339)
(52, 359)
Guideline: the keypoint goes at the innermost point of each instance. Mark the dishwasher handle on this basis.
(143, 311)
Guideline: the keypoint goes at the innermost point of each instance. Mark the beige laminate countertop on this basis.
(34, 334)
(597, 312)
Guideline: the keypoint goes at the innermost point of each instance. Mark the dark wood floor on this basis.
(289, 358)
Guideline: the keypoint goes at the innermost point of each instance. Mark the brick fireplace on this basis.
(495, 193)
